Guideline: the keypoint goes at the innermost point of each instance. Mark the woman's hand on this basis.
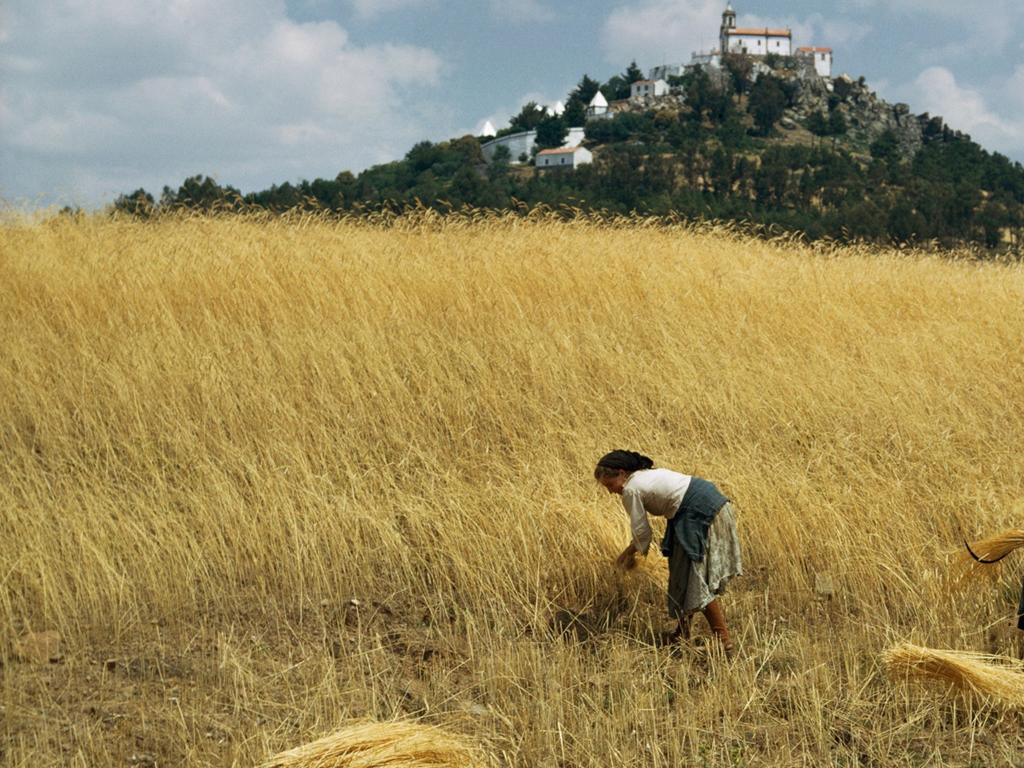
(627, 560)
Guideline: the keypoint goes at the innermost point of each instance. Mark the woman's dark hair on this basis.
(621, 461)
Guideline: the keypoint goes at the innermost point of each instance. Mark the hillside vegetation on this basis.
(783, 151)
(269, 475)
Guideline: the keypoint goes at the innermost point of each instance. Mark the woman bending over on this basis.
(700, 537)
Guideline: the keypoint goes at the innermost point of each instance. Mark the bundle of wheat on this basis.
(995, 548)
(653, 568)
(375, 745)
(996, 679)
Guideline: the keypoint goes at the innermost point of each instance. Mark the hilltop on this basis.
(761, 140)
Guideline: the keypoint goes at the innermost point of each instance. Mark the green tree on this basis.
(836, 124)
(721, 172)
(633, 73)
(817, 123)
(467, 187)
(905, 224)
(741, 69)
(993, 220)
(886, 147)
(529, 117)
(202, 193)
(502, 155)
(705, 99)
(139, 203)
(578, 99)
(551, 132)
(575, 114)
(423, 156)
(618, 87)
(767, 103)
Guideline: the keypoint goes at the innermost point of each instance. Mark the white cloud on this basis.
(669, 28)
(965, 109)
(97, 93)
(370, 8)
(949, 8)
(976, 30)
(522, 11)
(1015, 88)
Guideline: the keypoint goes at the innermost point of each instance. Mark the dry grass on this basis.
(381, 745)
(266, 477)
(993, 679)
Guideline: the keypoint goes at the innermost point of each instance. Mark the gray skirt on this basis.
(692, 585)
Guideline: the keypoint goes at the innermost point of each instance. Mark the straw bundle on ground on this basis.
(380, 745)
(995, 548)
(996, 679)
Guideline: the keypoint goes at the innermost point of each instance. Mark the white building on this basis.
(822, 59)
(598, 107)
(752, 41)
(520, 145)
(564, 157)
(488, 129)
(706, 59)
(665, 71)
(644, 88)
(758, 42)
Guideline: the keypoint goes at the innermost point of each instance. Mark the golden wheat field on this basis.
(267, 478)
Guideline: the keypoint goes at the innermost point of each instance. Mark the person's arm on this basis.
(638, 522)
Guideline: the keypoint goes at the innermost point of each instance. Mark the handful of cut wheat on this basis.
(996, 679)
(375, 745)
(995, 548)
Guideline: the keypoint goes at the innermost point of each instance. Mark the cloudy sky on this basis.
(99, 97)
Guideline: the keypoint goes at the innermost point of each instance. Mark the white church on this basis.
(750, 41)
(757, 41)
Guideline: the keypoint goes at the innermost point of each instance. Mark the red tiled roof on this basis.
(558, 151)
(760, 32)
(812, 49)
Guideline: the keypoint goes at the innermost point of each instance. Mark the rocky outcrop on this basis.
(671, 101)
(867, 116)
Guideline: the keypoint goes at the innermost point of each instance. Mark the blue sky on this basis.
(99, 97)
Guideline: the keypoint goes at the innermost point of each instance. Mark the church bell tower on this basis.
(728, 22)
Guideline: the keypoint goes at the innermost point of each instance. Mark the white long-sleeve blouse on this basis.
(652, 492)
